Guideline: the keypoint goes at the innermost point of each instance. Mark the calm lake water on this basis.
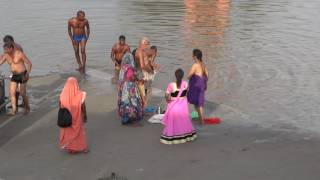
(263, 56)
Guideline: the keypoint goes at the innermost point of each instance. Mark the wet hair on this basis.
(179, 75)
(122, 37)
(80, 12)
(154, 47)
(198, 54)
(8, 45)
(8, 38)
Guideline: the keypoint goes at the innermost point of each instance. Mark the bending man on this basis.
(17, 61)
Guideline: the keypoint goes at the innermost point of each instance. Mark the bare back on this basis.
(198, 69)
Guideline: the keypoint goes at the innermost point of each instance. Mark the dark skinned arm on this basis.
(69, 30)
(88, 29)
(84, 112)
(113, 53)
(28, 62)
(2, 59)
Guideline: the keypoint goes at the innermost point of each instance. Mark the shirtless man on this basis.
(9, 39)
(149, 76)
(79, 31)
(17, 60)
(118, 51)
(141, 57)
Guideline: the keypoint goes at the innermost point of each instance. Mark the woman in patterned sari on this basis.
(129, 99)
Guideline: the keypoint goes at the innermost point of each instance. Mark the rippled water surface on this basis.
(263, 56)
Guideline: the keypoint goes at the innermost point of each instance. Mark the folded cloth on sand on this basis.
(194, 115)
(150, 109)
(156, 119)
(213, 120)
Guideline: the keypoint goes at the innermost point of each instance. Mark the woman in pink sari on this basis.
(73, 139)
(178, 127)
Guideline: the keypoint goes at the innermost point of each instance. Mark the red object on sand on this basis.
(214, 120)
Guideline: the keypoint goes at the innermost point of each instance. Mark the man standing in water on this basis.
(141, 57)
(118, 51)
(79, 31)
(9, 39)
(17, 60)
(153, 66)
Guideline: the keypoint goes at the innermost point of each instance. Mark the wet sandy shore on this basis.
(29, 144)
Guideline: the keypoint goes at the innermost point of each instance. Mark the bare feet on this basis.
(137, 124)
(86, 151)
(26, 108)
(83, 70)
(26, 111)
(11, 114)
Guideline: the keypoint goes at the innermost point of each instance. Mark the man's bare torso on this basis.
(78, 27)
(146, 54)
(120, 50)
(16, 62)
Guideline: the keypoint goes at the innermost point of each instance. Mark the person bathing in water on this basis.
(141, 57)
(198, 78)
(17, 61)
(79, 31)
(9, 39)
(118, 51)
(153, 67)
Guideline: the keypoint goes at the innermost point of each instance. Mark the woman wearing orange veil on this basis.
(73, 138)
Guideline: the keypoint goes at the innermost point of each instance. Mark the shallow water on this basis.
(262, 55)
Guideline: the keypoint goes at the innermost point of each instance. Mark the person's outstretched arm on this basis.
(2, 59)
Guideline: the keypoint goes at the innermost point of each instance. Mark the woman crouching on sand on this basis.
(177, 123)
(73, 138)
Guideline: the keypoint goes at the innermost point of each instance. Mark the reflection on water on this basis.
(205, 22)
(262, 55)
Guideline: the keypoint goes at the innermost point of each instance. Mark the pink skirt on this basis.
(178, 127)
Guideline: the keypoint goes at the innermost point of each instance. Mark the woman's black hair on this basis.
(198, 54)
(179, 75)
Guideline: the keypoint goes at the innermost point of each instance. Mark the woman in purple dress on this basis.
(198, 77)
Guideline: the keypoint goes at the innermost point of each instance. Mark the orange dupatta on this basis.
(73, 138)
